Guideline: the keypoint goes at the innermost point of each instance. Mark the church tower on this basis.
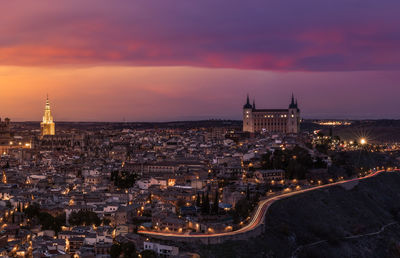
(47, 126)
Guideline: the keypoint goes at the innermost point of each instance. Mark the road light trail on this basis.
(259, 215)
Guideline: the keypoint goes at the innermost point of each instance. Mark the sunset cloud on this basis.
(263, 35)
(137, 60)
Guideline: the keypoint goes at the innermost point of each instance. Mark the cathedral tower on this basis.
(47, 126)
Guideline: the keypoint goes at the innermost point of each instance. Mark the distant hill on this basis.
(387, 131)
(133, 125)
(332, 215)
(374, 130)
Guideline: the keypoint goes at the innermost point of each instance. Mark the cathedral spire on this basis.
(47, 125)
(47, 102)
(254, 103)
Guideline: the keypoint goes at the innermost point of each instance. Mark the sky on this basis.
(138, 60)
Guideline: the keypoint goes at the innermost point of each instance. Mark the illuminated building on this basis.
(9, 141)
(61, 142)
(49, 141)
(4, 178)
(332, 123)
(5, 136)
(271, 120)
(47, 126)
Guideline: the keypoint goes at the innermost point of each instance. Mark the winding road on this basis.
(256, 221)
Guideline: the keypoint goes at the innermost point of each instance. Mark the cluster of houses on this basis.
(173, 168)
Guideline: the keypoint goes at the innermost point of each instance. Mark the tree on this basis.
(242, 208)
(84, 218)
(198, 201)
(32, 210)
(266, 160)
(323, 148)
(180, 203)
(202, 202)
(48, 222)
(319, 163)
(58, 222)
(115, 250)
(148, 254)
(207, 201)
(216, 203)
(205, 206)
(74, 219)
(123, 179)
(106, 222)
(114, 175)
(127, 250)
(295, 162)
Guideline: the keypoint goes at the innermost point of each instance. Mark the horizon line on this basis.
(200, 120)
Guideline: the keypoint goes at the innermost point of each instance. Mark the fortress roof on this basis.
(269, 110)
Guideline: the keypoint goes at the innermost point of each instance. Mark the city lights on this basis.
(158, 152)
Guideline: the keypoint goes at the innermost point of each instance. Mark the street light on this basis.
(363, 141)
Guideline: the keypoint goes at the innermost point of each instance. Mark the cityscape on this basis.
(204, 130)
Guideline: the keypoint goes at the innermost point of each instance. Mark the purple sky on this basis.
(171, 60)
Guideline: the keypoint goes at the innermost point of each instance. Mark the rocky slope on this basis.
(357, 221)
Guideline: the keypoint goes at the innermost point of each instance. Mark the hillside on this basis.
(330, 216)
(377, 131)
